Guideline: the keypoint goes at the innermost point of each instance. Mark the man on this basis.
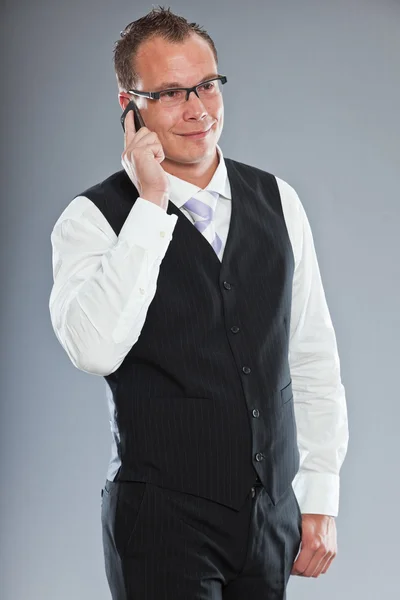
(190, 282)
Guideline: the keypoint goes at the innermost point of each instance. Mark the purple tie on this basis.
(202, 212)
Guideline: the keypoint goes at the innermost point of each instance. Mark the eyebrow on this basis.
(175, 84)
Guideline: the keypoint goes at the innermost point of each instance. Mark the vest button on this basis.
(234, 329)
(246, 370)
(259, 457)
(227, 285)
(256, 413)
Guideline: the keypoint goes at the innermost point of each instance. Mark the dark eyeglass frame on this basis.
(156, 95)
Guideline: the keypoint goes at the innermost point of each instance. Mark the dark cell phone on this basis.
(136, 114)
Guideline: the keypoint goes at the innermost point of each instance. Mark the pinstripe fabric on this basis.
(161, 544)
(204, 398)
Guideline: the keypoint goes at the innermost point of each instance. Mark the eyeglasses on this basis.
(174, 96)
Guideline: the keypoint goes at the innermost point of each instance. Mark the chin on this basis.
(201, 146)
(198, 154)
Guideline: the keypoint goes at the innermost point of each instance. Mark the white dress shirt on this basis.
(104, 284)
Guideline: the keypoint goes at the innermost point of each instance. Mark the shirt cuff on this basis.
(148, 226)
(317, 493)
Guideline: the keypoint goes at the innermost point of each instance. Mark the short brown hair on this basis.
(158, 22)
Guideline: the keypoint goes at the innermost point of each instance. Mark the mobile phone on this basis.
(136, 115)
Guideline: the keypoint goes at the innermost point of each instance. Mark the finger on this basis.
(327, 565)
(139, 135)
(157, 150)
(315, 566)
(144, 137)
(148, 143)
(303, 560)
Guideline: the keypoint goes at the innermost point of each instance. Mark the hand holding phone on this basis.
(138, 119)
(142, 156)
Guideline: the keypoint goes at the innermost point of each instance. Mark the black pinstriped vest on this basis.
(203, 400)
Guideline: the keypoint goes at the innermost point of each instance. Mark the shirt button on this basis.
(234, 329)
(259, 457)
(246, 370)
(227, 285)
(162, 233)
(256, 413)
(141, 290)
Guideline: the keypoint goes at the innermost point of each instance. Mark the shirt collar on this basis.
(181, 190)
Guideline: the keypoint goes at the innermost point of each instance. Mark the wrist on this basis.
(157, 197)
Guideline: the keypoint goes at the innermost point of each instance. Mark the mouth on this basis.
(196, 135)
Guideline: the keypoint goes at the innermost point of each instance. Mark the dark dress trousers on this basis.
(204, 408)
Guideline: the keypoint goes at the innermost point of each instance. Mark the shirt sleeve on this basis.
(104, 284)
(318, 393)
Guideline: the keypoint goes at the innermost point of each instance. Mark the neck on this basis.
(200, 174)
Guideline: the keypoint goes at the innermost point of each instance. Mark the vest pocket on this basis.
(287, 393)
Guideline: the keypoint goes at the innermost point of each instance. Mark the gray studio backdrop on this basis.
(313, 96)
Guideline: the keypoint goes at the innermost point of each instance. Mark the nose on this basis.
(194, 108)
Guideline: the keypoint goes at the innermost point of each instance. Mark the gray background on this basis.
(313, 96)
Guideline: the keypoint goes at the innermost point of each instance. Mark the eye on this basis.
(171, 94)
(208, 87)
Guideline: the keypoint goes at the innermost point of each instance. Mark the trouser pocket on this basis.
(121, 508)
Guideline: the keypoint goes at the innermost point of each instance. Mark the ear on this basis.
(123, 100)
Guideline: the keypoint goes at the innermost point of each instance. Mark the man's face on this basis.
(160, 64)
